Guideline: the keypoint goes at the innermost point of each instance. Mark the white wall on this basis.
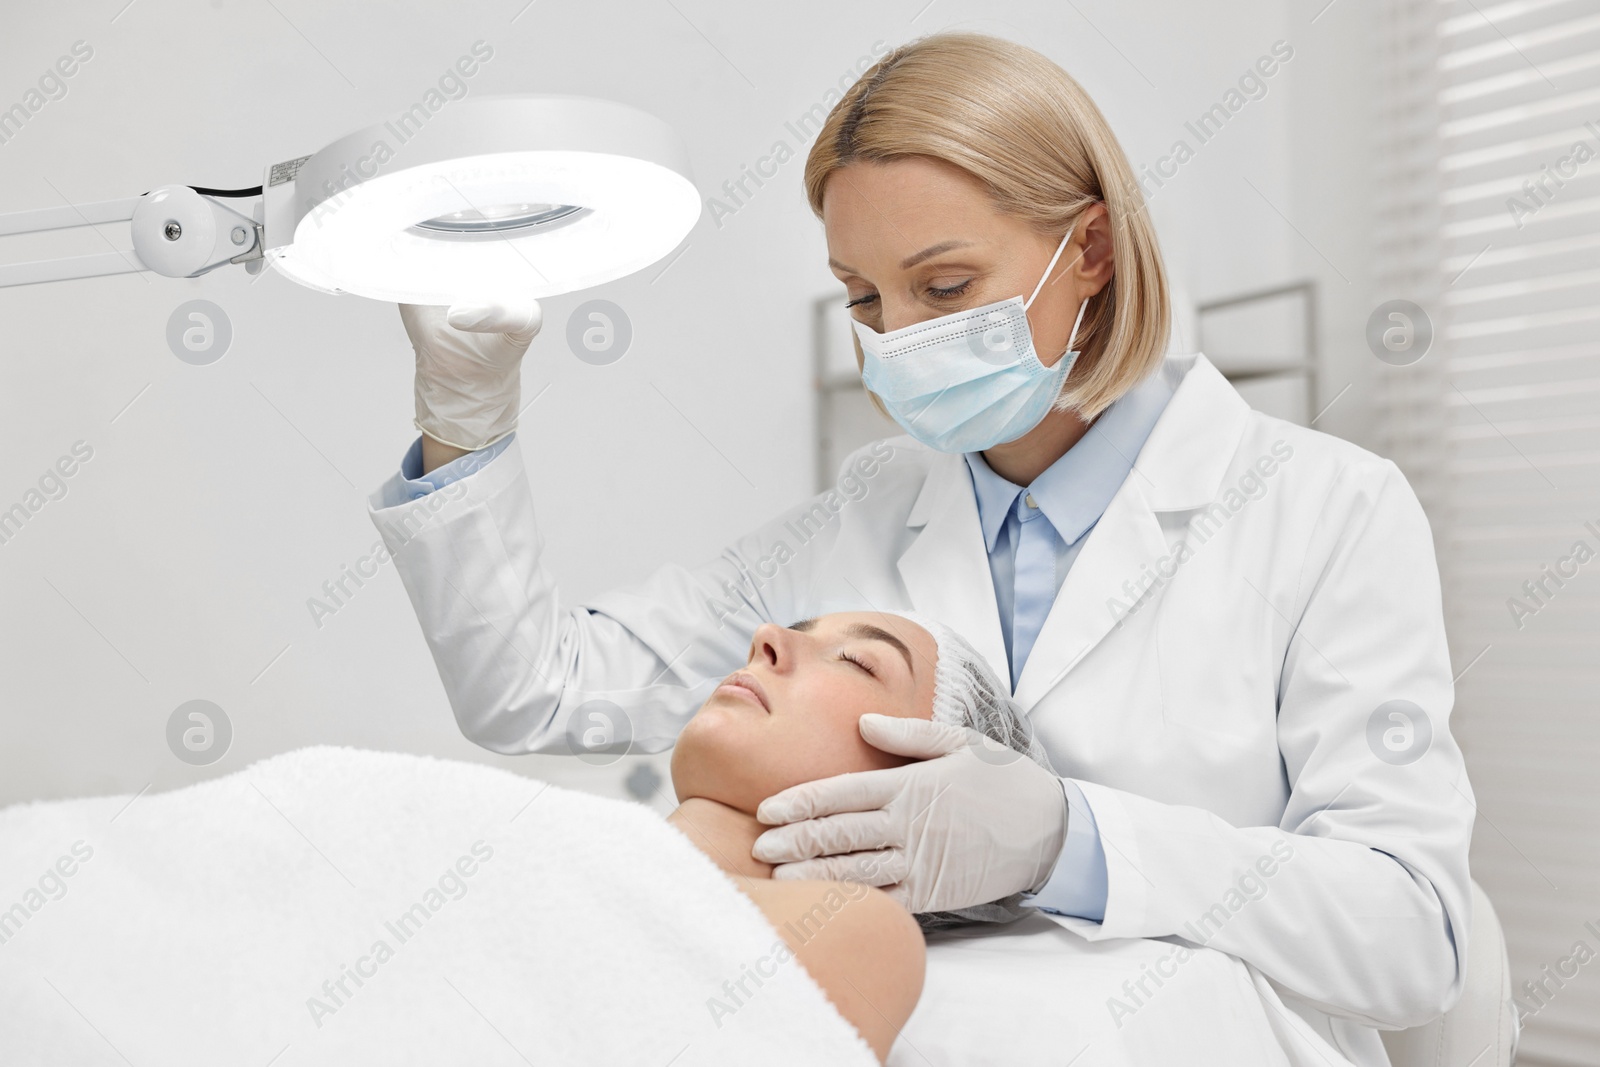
(179, 564)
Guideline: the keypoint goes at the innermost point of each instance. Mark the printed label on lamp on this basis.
(284, 172)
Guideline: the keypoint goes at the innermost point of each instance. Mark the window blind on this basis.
(1489, 219)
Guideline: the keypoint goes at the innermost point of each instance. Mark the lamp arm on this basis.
(178, 230)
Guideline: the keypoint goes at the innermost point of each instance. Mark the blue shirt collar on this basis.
(1074, 491)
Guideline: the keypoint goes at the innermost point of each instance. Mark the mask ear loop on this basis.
(1073, 336)
(1062, 247)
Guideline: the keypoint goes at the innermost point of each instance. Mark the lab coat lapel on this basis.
(1179, 468)
(1095, 594)
(946, 568)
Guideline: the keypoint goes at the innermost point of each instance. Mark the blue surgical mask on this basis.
(967, 381)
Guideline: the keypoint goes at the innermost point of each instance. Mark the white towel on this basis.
(523, 922)
(1034, 993)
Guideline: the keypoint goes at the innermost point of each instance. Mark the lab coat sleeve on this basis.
(1077, 884)
(1358, 901)
(525, 672)
(412, 483)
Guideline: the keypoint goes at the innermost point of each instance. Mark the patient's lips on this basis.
(743, 685)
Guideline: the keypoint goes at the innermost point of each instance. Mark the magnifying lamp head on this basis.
(515, 196)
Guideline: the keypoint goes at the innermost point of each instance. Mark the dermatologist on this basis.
(1226, 629)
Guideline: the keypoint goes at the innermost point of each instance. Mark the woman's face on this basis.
(790, 715)
(915, 237)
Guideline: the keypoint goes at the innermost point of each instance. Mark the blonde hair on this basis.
(1022, 126)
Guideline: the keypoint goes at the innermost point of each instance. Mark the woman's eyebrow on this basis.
(911, 260)
(867, 632)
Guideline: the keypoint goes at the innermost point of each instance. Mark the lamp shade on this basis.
(489, 197)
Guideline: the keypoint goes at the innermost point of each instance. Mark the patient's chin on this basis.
(724, 754)
(715, 760)
(713, 735)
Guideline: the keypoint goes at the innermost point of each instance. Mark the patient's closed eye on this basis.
(859, 663)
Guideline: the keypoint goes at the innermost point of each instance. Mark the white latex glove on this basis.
(469, 368)
(967, 825)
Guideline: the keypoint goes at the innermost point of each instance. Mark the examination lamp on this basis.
(492, 196)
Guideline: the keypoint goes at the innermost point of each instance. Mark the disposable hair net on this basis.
(967, 692)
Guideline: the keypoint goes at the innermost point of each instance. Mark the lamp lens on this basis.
(498, 218)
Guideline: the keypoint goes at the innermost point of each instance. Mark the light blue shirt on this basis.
(412, 483)
(1033, 534)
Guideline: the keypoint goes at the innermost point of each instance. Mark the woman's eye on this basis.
(952, 292)
(859, 663)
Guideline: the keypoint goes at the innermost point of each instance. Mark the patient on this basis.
(790, 716)
(225, 870)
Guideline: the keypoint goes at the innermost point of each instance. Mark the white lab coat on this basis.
(1208, 673)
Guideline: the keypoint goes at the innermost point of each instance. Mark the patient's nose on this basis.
(772, 646)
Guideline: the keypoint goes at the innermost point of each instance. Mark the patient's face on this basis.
(808, 684)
